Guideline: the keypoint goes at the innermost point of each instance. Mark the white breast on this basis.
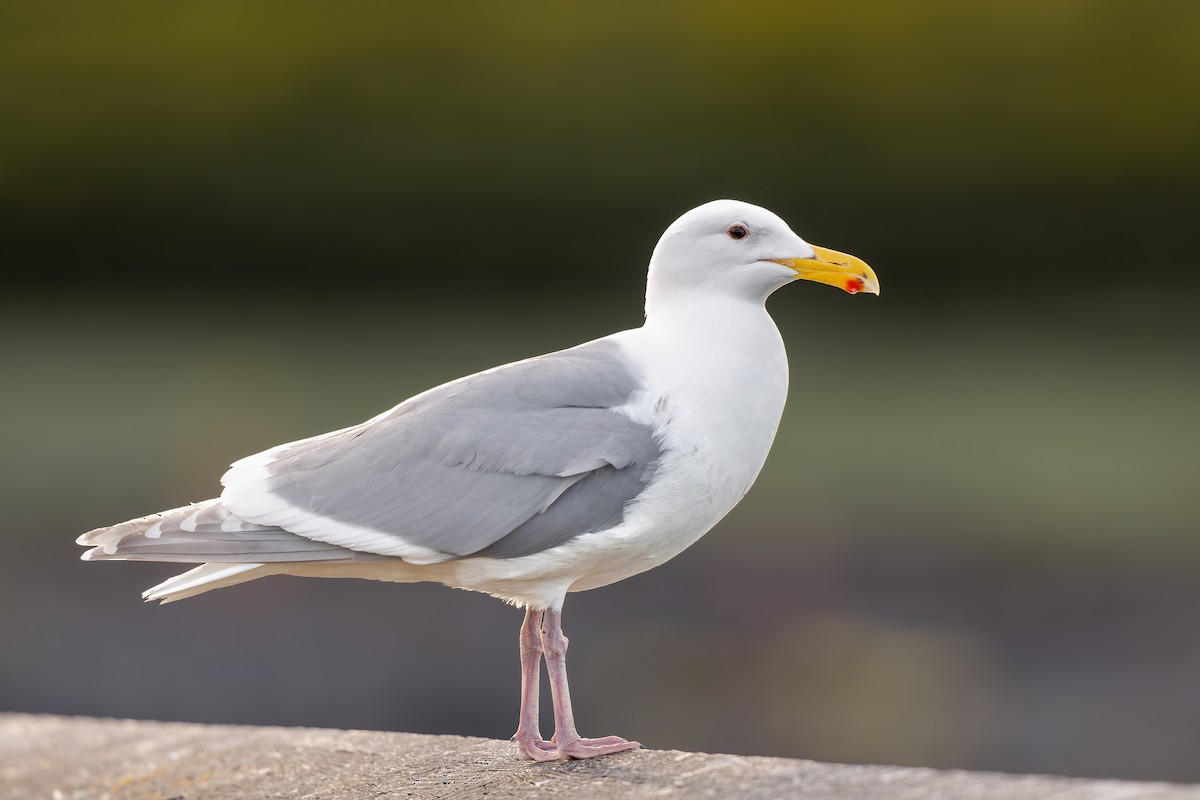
(717, 397)
(716, 391)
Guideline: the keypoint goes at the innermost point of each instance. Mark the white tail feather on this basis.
(205, 578)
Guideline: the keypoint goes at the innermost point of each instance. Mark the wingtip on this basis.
(100, 552)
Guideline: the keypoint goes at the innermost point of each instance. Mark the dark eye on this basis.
(738, 232)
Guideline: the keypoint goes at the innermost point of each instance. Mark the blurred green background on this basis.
(227, 225)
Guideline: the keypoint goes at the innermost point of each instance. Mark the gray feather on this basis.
(504, 463)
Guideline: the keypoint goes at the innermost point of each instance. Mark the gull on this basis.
(560, 473)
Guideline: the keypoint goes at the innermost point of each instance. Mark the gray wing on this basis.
(504, 463)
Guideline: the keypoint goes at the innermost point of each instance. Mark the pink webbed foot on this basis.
(590, 748)
(535, 748)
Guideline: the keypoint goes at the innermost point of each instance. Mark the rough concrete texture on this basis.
(61, 758)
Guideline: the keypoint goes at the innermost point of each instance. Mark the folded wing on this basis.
(504, 463)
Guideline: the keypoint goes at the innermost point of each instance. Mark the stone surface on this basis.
(62, 758)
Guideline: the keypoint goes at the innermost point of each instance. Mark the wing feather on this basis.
(503, 463)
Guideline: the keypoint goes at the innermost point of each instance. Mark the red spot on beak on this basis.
(855, 285)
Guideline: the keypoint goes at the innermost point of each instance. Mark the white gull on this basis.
(556, 474)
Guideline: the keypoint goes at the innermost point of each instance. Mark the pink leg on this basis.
(570, 743)
(528, 737)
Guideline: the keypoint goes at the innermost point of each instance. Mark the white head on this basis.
(745, 252)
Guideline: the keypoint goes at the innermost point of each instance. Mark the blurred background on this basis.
(228, 225)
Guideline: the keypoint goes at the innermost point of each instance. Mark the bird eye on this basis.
(738, 232)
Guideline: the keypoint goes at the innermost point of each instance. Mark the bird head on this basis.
(745, 251)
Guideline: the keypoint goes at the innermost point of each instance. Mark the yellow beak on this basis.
(834, 268)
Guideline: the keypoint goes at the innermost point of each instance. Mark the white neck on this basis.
(724, 358)
(739, 328)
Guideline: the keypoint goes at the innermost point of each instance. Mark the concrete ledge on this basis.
(63, 758)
